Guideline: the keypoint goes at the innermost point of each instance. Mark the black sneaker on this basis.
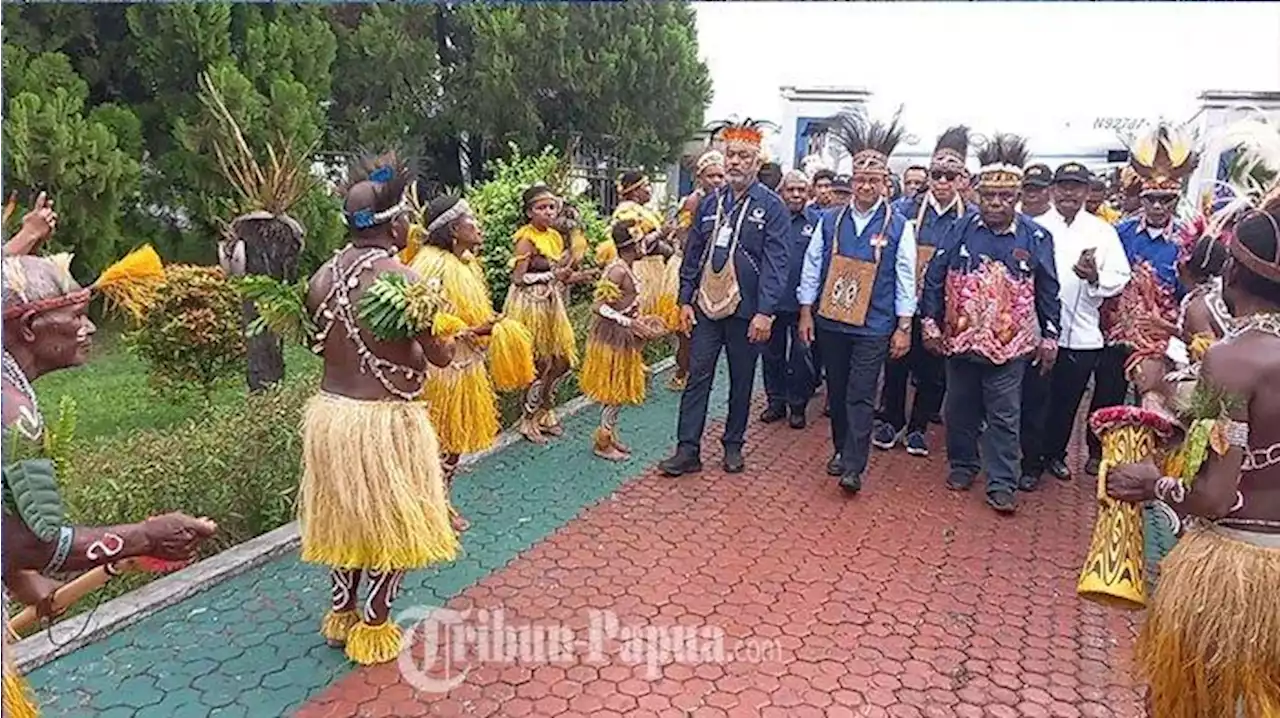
(680, 464)
(733, 463)
(1059, 469)
(885, 436)
(1091, 466)
(851, 483)
(916, 444)
(797, 420)
(959, 482)
(772, 414)
(1002, 501)
(835, 467)
(1029, 482)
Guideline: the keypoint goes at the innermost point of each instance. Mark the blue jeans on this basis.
(976, 391)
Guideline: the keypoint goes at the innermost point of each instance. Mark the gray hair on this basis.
(794, 176)
(30, 279)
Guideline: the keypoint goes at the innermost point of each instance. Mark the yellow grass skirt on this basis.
(17, 699)
(612, 375)
(540, 308)
(669, 303)
(372, 494)
(1211, 643)
(464, 408)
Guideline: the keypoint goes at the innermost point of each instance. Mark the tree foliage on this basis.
(101, 103)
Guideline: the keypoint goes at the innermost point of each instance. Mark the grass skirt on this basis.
(372, 494)
(17, 699)
(669, 303)
(613, 372)
(1211, 642)
(464, 407)
(540, 308)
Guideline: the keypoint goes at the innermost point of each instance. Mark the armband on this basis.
(1170, 490)
(614, 315)
(60, 552)
(537, 277)
(1236, 433)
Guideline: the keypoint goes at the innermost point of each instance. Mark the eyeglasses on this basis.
(1162, 200)
(940, 175)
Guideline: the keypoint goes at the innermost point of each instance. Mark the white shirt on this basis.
(1081, 329)
(904, 300)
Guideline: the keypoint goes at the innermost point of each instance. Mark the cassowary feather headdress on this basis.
(1000, 161)
(869, 142)
(952, 149)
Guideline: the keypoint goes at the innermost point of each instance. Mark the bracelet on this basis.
(1237, 434)
(1170, 490)
(614, 315)
(538, 277)
(1239, 504)
(61, 551)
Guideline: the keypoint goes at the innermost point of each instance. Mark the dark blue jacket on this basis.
(802, 225)
(1159, 252)
(764, 247)
(931, 227)
(840, 235)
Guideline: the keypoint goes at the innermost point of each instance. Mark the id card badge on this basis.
(724, 237)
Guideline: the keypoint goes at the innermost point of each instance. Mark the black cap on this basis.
(842, 183)
(1037, 176)
(1072, 172)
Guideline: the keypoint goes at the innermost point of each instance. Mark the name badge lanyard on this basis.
(732, 243)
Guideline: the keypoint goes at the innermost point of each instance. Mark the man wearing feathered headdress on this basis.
(1214, 611)
(990, 304)
(731, 281)
(857, 290)
(1139, 321)
(932, 214)
(47, 329)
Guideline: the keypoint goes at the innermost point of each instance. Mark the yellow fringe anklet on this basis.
(370, 645)
(336, 625)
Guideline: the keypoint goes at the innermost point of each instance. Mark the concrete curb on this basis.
(124, 611)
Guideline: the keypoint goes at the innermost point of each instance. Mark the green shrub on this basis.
(238, 464)
(192, 336)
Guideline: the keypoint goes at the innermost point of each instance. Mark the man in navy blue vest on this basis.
(990, 303)
(857, 291)
(732, 278)
(788, 367)
(931, 214)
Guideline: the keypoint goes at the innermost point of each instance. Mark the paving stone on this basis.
(260, 629)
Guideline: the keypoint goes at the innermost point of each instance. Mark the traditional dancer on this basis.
(1163, 159)
(372, 500)
(542, 270)
(46, 329)
(656, 248)
(461, 397)
(858, 291)
(990, 303)
(933, 214)
(613, 373)
(1210, 647)
(710, 176)
(734, 271)
(787, 363)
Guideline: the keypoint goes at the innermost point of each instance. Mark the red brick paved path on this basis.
(907, 600)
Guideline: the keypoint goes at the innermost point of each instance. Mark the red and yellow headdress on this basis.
(130, 284)
(746, 132)
(1163, 158)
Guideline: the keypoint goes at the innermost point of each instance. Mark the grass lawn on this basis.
(113, 396)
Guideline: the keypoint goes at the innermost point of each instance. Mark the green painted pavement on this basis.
(251, 646)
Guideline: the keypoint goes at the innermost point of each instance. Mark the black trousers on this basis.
(1069, 380)
(1110, 388)
(787, 365)
(928, 369)
(853, 367)
(978, 391)
(708, 338)
(1035, 416)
